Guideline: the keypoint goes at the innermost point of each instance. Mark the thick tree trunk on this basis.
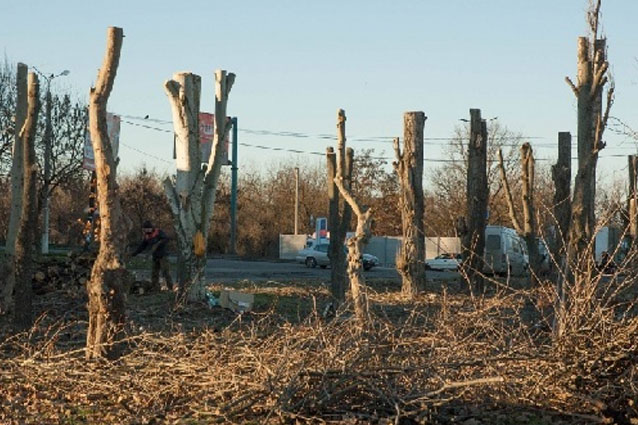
(107, 296)
(185, 192)
(562, 176)
(409, 168)
(592, 121)
(17, 183)
(340, 213)
(192, 195)
(477, 194)
(581, 229)
(25, 239)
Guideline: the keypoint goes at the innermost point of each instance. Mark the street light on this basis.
(48, 154)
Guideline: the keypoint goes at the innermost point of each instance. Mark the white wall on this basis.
(383, 247)
(289, 245)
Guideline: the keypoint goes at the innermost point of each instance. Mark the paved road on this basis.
(232, 270)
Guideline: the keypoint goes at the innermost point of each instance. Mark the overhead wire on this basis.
(331, 137)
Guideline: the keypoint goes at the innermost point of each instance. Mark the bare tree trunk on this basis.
(355, 252)
(335, 251)
(528, 228)
(592, 68)
(562, 177)
(477, 194)
(184, 193)
(25, 239)
(592, 121)
(340, 213)
(632, 210)
(192, 194)
(409, 168)
(17, 184)
(107, 296)
(17, 173)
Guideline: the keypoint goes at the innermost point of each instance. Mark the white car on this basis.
(314, 255)
(445, 261)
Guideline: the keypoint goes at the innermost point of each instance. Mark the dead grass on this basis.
(447, 357)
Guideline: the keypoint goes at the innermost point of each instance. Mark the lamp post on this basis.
(48, 154)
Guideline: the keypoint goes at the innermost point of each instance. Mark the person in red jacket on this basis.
(155, 239)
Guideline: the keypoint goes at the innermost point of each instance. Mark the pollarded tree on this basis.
(339, 165)
(25, 238)
(105, 288)
(526, 229)
(409, 168)
(592, 121)
(447, 200)
(357, 242)
(191, 194)
(471, 229)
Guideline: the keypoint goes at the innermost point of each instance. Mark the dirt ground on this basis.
(447, 357)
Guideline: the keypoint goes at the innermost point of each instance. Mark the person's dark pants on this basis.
(161, 265)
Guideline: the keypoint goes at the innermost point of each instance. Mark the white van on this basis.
(505, 251)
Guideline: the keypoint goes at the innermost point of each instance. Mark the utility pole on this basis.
(48, 154)
(233, 192)
(296, 200)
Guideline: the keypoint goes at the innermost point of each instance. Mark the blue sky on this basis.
(297, 62)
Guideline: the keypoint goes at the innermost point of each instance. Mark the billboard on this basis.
(206, 134)
(113, 130)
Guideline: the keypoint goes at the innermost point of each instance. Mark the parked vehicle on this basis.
(316, 254)
(505, 251)
(445, 261)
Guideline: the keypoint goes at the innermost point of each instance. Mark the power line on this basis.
(326, 137)
(145, 153)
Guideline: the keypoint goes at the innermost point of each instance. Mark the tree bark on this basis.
(356, 244)
(409, 169)
(192, 194)
(17, 184)
(23, 268)
(592, 121)
(107, 297)
(528, 228)
(477, 194)
(185, 191)
(339, 163)
(17, 173)
(562, 176)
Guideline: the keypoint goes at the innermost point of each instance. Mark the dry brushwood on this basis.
(440, 359)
